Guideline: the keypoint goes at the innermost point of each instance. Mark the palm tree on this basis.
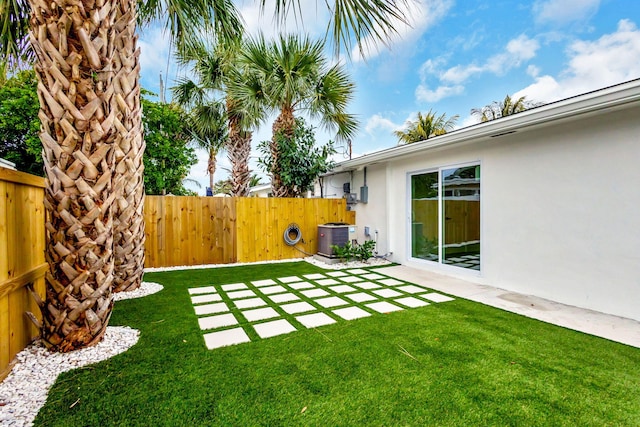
(217, 70)
(425, 127)
(88, 71)
(504, 108)
(207, 121)
(292, 76)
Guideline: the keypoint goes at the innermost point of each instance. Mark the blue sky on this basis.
(457, 55)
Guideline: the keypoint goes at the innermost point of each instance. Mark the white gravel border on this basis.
(25, 389)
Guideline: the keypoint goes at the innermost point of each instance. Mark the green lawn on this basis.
(455, 363)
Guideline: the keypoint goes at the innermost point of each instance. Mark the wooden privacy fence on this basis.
(21, 260)
(222, 230)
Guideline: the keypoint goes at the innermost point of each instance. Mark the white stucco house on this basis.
(545, 202)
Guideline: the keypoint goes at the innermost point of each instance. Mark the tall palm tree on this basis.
(504, 108)
(87, 67)
(216, 70)
(425, 127)
(207, 120)
(294, 77)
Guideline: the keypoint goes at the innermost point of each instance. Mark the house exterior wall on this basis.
(559, 210)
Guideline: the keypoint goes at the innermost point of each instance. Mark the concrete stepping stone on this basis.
(301, 285)
(272, 290)
(336, 273)
(351, 313)
(218, 307)
(350, 279)
(260, 314)
(314, 320)
(361, 297)
(391, 282)
(327, 282)
(312, 293)
(280, 298)
(314, 276)
(297, 307)
(234, 287)
(273, 328)
(386, 293)
(411, 289)
(217, 321)
(331, 302)
(384, 307)
(367, 285)
(357, 271)
(436, 297)
(203, 290)
(224, 338)
(372, 276)
(241, 294)
(289, 279)
(260, 283)
(199, 299)
(411, 302)
(250, 303)
(342, 289)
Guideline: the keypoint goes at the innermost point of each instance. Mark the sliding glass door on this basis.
(445, 216)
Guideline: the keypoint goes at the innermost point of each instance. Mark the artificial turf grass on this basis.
(466, 364)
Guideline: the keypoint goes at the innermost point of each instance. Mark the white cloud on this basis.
(560, 12)
(310, 18)
(377, 122)
(421, 14)
(517, 51)
(611, 59)
(423, 93)
(154, 54)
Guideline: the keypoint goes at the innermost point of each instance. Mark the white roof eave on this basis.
(614, 97)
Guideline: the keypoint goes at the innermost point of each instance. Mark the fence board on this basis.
(22, 241)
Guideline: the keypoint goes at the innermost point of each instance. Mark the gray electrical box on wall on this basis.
(364, 194)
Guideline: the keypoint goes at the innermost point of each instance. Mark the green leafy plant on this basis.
(349, 251)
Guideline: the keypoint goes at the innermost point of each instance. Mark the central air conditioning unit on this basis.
(334, 233)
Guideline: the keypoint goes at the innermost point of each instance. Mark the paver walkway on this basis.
(229, 313)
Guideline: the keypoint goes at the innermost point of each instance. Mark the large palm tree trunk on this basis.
(82, 115)
(284, 125)
(129, 183)
(238, 152)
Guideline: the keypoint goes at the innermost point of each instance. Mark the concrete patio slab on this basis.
(436, 297)
(383, 307)
(233, 287)
(280, 298)
(367, 285)
(342, 289)
(241, 294)
(273, 328)
(357, 271)
(289, 279)
(372, 276)
(224, 338)
(314, 276)
(203, 290)
(217, 321)
(327, 282)
(272, 290)
(331, 302)
(297, 307)
(250, 303)
(260, 314)
(218, 307)
(391, 282)
(336, 273)
(361, 297)
(350, 279)
(301, 285)
(312, 293)
(411, 302)
(386, 293)
(314, 320)
(411, 289)
(260, 283)
(199, 299)
(350, 313)
(591, 322)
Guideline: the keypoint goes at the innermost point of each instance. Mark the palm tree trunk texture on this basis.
(128, 218)
(284, 124)
(238, 153)
(78, 67)
(211, 166)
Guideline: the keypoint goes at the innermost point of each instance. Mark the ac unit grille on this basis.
(329, 235)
